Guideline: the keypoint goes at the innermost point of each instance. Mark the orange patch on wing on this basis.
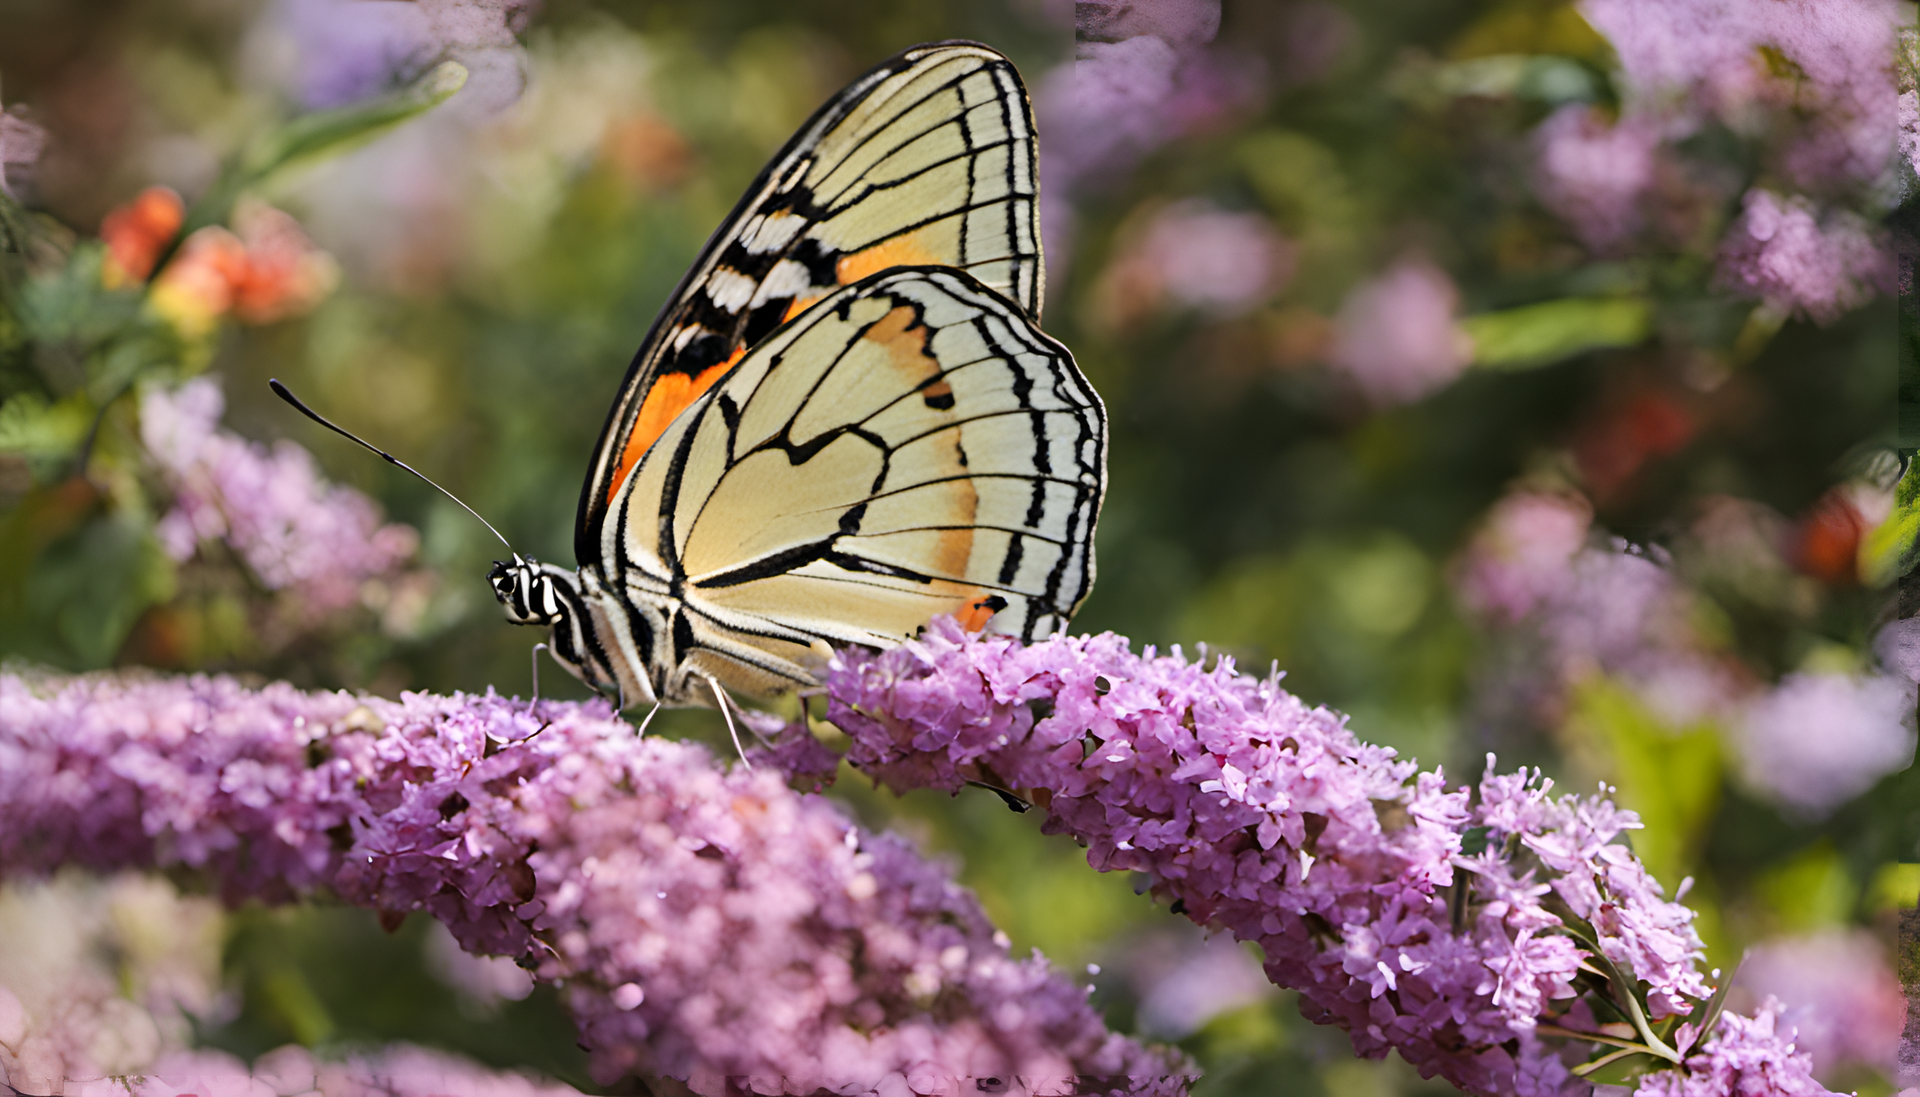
(904, 339)
(901, 251)
(670, 396)
(975, 616)
(798, 306)
(955, 549)
(905, 343)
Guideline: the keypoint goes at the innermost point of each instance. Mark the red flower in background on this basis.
(1826, 540)
(136, 233)
(1648, 424)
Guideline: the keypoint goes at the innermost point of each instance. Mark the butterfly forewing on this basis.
(927, 159)
(909, 446)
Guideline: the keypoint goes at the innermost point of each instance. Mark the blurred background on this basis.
(1521, 376)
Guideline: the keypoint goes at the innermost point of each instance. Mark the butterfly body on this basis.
(845, 421)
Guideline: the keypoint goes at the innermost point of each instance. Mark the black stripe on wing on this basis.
(694, 331)
(1064, 462)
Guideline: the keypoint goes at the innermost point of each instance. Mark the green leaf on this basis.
(1889, 550)
(1810, 889)
(90, 338)
(1626, 992)
(1547, 79)
(32, 427)
(1474, 840)
(68, 305)
(45, 515)
(1670, 775)
(15, 230)
(315, 136)
(1539, 77)
(1619, 1067)
(93, 586)
(1537, 335)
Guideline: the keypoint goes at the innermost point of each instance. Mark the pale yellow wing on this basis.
(911, 445)
(929, 158)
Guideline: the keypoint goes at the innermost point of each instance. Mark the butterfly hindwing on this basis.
(909, 446)
(927, 159)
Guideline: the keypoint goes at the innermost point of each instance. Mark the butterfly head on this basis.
(529, 592)
(534, 593)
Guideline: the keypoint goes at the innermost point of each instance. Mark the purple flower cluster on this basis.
(350, 49)
(1593, 171)
(1838, 990)
(1184, 978)
(1811, 82)
(1748, 1055)
(1817, 740)
(1396, 335)
(1520, 558)
(1820, 71)
(1414, 916)
(102, 979)
(1810, 742)
(1592, 609)
(21, 142)
(292, 1072)
(297, 533)
(710, 926)
(99, 977)
(1792, 256)
(1195, 255)
(1143, 76)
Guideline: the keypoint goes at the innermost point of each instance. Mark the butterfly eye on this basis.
(506, 584)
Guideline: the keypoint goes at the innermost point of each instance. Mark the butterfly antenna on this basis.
(286, 394)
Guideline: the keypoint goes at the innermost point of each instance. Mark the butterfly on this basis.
(845, 420)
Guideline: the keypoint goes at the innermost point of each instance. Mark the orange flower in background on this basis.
(197, 286)
(285, 274)
(135, 233)
(647, 152)
(269, 270)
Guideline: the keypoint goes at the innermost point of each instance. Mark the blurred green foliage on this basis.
(294, 987)
(1257, 505)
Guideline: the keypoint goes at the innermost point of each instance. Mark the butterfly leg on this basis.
(537, 649)
(650, 714)
(720, 695)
